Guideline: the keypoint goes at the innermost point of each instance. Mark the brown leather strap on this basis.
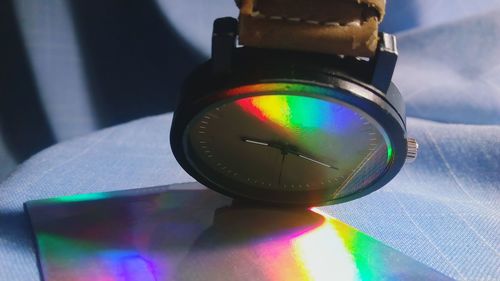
(343, 27)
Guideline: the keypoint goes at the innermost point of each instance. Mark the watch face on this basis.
(287, 138)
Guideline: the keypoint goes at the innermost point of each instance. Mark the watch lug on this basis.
(384, 61)
(223, 43)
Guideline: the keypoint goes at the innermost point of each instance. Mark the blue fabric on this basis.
(443, 210)
(193, 19)
(71, 68)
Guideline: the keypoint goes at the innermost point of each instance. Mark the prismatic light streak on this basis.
(282, 104)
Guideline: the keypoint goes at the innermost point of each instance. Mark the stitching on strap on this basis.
(257, 14)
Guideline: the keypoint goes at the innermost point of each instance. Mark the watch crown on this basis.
(412, 150)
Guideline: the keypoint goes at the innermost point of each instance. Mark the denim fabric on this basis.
(443, 210)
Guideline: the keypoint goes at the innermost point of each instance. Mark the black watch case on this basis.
(362, 82)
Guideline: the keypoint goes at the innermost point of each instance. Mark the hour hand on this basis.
(252, 141)
(283, 149)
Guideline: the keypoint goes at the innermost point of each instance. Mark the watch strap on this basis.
(342, 27)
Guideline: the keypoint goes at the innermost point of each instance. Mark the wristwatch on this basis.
(296, 105)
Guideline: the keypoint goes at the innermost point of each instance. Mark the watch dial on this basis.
(289, 143)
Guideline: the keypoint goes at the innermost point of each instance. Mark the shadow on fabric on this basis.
(23, 123)
(134, 60)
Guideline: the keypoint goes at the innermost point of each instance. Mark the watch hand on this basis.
(312, 160)
(247, 140)
(281, 168)
(317, 162)
(275, 145)
(262, 143)
(284, 150)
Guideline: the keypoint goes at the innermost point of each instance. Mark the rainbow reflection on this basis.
(204, 238)
(329, 251)
(284, 105)
(106, 264)
(361, 250)
(81, 197)
(296, 113)
(292, 111)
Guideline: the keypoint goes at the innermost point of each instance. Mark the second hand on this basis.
(281, 167)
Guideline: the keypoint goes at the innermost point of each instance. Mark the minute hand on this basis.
(312, 160)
